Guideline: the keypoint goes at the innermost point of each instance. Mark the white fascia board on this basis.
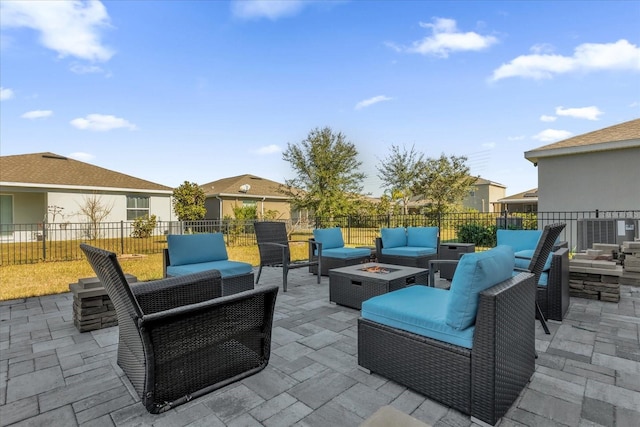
(46, 187)
(534, 155)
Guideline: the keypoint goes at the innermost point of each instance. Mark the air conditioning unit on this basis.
(605, 230)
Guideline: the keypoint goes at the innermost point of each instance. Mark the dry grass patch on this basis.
(46, 278)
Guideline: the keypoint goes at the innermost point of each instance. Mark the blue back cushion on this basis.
(519, 240)
(329, 237)
(475, 273)
(422, 236)
(196, 248)
(393, 237)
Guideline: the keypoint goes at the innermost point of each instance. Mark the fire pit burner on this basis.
(378, 270)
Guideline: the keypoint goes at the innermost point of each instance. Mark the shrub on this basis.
(480, 235)
(143, 226)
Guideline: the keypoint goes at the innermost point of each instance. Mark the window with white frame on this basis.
(137, 206)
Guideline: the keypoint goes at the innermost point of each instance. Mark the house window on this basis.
(137, 206)
(6, 215)
(249, 203)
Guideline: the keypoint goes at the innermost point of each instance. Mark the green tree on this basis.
(399, 173)
(188, 202)
(444, 182)
(327, 177)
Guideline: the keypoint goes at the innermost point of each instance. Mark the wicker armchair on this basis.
(177, 339)
(546, 243)
(273, 245)
(482, 381)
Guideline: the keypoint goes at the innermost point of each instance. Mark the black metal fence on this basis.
(30, 243)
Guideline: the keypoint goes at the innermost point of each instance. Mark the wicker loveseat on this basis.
(193, 253)
(334, 253)
(178, 339)
(471, 347)
(411, 246)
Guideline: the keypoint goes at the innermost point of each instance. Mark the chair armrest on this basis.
(165, 294)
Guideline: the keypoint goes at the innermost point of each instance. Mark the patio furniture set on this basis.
(470, 347)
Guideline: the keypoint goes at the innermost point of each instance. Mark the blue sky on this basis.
(170, 91)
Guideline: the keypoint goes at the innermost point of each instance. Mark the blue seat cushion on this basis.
(329, 237)
(346, 253)
(196, 248)
(417, 309)
(519, 240)
(226, 268)
(422, 236)
(393, 237)
(476, 272)
(409, 251)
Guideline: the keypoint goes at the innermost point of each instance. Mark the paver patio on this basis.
(587, 372)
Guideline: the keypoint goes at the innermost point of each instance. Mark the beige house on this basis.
(225, 194)
(596, 170)
(47, 187)
(527, 201)
(484, 195)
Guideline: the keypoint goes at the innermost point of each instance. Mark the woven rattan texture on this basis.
(178, 339)
(483, 382)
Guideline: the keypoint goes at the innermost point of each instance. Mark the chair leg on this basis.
(543, 321)
(319, 268)
(258, 276)
(285, 272)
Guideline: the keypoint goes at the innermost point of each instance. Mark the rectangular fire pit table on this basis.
(351, 285)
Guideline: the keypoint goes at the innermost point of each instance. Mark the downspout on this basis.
(220, 210)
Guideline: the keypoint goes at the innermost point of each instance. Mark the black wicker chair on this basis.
(273, 245)
(550, 234)
(554, 298)
(483, 381)
(178, 339)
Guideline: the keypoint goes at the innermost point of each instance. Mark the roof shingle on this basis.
(53, 169)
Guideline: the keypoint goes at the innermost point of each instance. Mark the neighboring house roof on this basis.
(482, 181)
(623, 135)
(249, 186)
(529, 196)
(55, 171)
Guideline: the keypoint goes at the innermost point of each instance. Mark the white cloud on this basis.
(589, 113)
(37, 114)
(271, 9)
(545, 118)
(268, 149)
(489, 145)
(369, 102)
(550, 135)
(5, 93)
(71, 28)
(101, 123)
(446, 38)
(587, 57)
(634, 104)
(85, 69)
(516, 138)
(84, 157)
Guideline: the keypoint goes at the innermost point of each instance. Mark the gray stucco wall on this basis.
(606, 180)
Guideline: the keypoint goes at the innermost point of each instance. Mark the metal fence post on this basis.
(44, 240)
(121, 237)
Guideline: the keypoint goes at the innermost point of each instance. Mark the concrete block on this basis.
(594, 252)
